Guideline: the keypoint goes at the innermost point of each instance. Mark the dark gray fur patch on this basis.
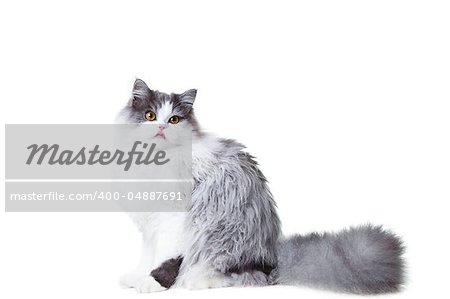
(167, 273)
(266, 269)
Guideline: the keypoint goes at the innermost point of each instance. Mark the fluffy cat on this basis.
(231, 234)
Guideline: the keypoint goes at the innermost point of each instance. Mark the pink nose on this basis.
(162, 127)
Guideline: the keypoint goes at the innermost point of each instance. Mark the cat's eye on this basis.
(174, 119)
(150, 115)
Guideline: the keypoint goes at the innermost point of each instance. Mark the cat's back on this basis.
(210, 153)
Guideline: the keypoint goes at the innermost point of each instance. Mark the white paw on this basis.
(148, 284)
(207, 283)
(129, 280)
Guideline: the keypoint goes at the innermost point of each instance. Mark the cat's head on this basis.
(165, 112)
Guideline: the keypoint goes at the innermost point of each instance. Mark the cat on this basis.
(231, 235)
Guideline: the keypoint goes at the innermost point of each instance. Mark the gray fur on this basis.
(236, 231)
(362, 260)
(234, 221)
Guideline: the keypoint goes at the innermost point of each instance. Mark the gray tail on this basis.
(361, 260)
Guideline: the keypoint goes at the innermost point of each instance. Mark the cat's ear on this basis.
(188, 97)
(140, 88)
(140, 92)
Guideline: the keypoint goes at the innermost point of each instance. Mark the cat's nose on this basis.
(162, 127)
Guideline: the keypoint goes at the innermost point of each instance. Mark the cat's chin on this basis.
(163, 142)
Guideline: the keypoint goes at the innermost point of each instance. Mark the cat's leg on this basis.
(161, 254)
(151, 274)
(130, 279)
(140, 278)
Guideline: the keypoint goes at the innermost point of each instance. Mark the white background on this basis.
(345, 103)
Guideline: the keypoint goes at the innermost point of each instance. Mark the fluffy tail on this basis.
(362, 260)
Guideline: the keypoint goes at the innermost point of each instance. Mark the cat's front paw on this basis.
(141, 283)
(148, 284)
(129, 280)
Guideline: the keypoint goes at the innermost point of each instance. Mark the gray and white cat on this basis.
(231, 234)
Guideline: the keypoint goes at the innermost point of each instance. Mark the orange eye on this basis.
(150, 116)
(174, 120)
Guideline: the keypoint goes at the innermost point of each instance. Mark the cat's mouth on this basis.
(160, 135)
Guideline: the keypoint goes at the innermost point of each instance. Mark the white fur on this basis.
(201, 276)
(162, 239)
(164, 113)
